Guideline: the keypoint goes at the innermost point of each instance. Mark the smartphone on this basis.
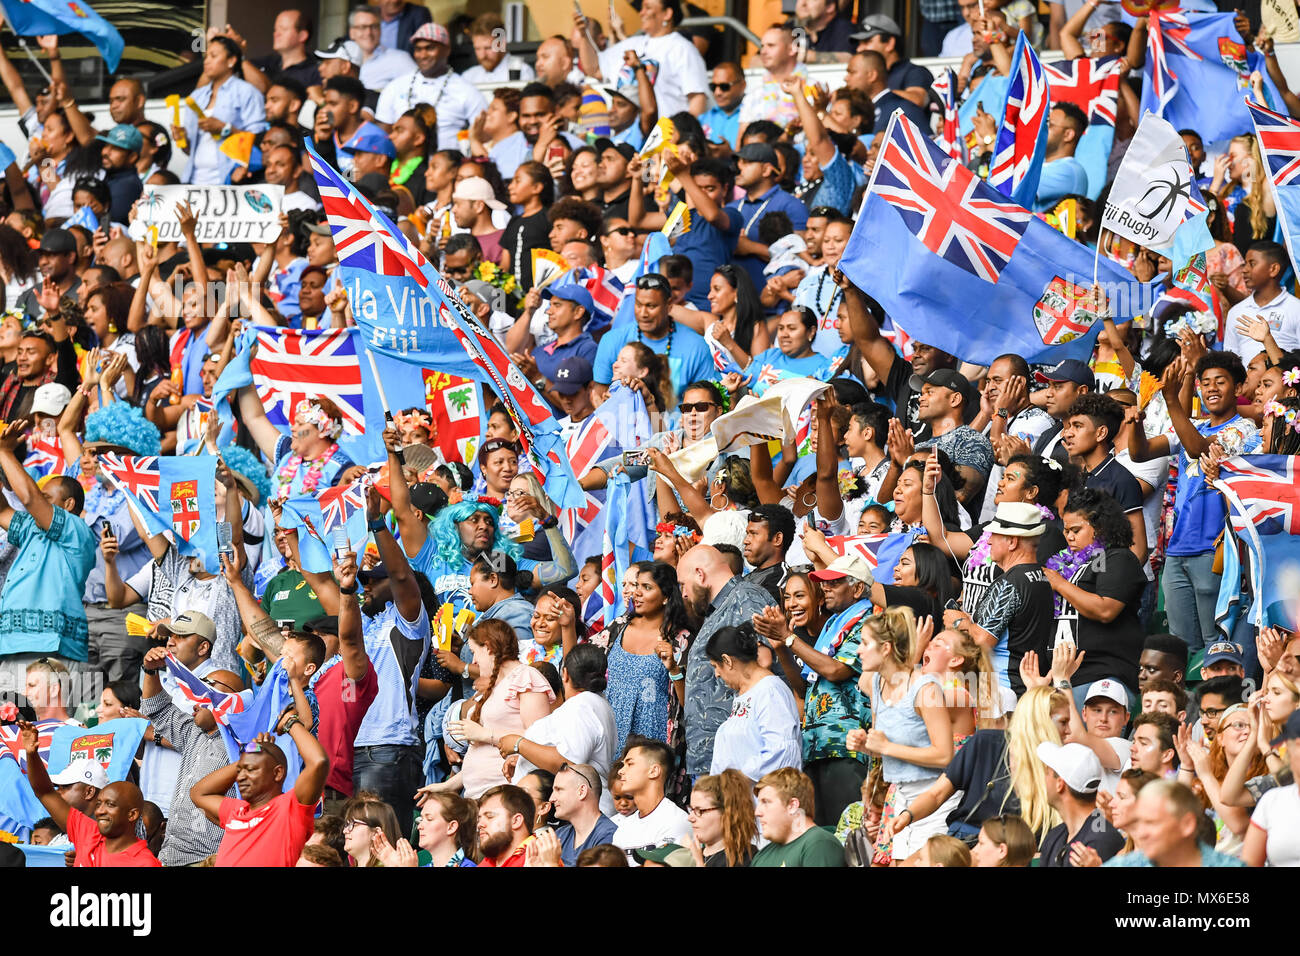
(635, 457)
(341, 543)
(951, 605)
(106, 531)
(553, 152)
(225, 543)
(329, 118)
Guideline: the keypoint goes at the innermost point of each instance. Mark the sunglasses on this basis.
(724, 87)
(685, 407)
(621, 231)
(654, 282)
(585, 778)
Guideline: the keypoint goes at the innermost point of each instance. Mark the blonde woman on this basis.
(1269, 709)
(1016, 784)
(530, 517)
(1242, 183)
(911, 732)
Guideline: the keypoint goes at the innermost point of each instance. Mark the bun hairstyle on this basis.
(586, 667)
(503, 566)
(738, 643)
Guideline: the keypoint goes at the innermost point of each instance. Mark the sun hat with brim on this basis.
(846, 566)
(670, 854)
(191, 622)
(1017, 519)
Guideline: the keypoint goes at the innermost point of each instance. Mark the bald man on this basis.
(119, 254)
(191, 730)
(109, 839)
(716, 598)
(126, 101)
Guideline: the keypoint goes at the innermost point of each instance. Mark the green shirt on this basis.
(831, 709)
(288, 596)
(814, 847)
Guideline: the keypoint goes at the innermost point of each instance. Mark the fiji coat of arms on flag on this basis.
(96, 747)
(1233, 55)
(185, 508)
(1064, 312)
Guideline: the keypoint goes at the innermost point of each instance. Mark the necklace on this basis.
(668, 350)
(1069, 563)
(311, 480)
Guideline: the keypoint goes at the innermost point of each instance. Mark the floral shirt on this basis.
(832, 708)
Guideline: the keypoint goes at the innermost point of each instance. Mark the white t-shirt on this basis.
(682, 72)
(1278, 815)
(1155, 473)
(1124, 750)
(582, 729)
(796, 554)
(383, 67)
(1283, 315)
(501, 74)
(762, 734)
(457, 102)
(666, 823)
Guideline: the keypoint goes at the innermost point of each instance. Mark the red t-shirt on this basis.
(343, 705)
(514, 859)
(272, 835)
(89, 843)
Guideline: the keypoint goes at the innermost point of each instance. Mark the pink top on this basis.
(483, 762)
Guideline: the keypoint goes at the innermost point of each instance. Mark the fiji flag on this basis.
(112, 744)
(935, 245)
(626, 539)
(261, 716)
(31, 18)
(1279, 143)
(409, 312)
(186, 507)
(343, 506)
(1196, 59)
(1022, 138)
(1263, 493)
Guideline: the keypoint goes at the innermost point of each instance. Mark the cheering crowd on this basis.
(830, 595)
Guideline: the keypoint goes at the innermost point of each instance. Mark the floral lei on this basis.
(1069, 563)
(979, 555)
(310, 481)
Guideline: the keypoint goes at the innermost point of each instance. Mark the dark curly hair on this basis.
(1103, 512)
(665, 579)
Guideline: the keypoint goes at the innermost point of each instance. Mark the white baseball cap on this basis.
(342, 50)
(846, 566)
(1109, 688)
(476, 189)
(89, 772)
(1076, 764)
(51, 399)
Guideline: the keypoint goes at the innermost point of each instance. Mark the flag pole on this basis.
(32, 56)
(1096, 258)
(383, 398)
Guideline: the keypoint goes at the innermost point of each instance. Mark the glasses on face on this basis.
(1213, 712)
(694, 811)
(353, 824)
(1241, 726)
(366, 27)
(720, 87)
(457, 273)
(585, 778)
(685, 407)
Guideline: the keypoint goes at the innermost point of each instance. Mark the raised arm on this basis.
(818, 143)
(703, 203)
(21, 483)
(875, 348)
(309, 786)
(352, 646)
(1073, 29)
(956, 544)
(208, 793)
(266, 634)
(39, 778)
(414, 528)
(406, 592)
(254, 417)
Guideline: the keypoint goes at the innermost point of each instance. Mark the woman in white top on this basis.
(17, 265)
(580, 731)
(763, 732)
(1274, 834)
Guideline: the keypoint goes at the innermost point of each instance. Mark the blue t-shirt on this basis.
(720, 126)
(749, 213)
(602, 832)
(41, 611)
(549, 357)
(1199, 510)
(688, 361)
(397, 648)
(766, 367)
(707, 247)
(838, 183)
(1060, 178)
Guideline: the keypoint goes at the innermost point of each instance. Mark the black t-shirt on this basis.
(1096, 832)
(307, 72)
(898, 387)
(976, 580)
(522, 235)
(1017, 611)
(1113, 648)
(905, 73)
(980, 771)
(834, 37)
(769, 579)
(616, 208)
(921, 603)
(124, 188)
(1118, 482)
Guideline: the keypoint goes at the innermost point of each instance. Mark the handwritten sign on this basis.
(224, 213)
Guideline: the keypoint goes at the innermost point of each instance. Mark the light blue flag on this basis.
(33, 18)
(187, 506)
(261, 716)
(84, 217)
(627, 535)
(113, 744)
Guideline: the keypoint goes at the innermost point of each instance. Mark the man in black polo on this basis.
(882, 35)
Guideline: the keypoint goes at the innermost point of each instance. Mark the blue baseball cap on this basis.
(1071, 370)
(572, 375)
(571, 292)
(123, 136)
(1221, 651)
(369, 138)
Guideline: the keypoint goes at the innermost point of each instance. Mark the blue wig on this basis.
(120, 423)
(242, 460)
(446, 536)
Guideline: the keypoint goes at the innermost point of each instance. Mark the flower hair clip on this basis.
(676, 530)
(1291, 376)
(310, 413)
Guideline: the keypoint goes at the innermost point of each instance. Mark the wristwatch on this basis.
(1062, 685)
(987, 140)
(377, 524)
(464, 672)
(351, 590)
(789, 641)
(226, 131)
(1003, 413)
